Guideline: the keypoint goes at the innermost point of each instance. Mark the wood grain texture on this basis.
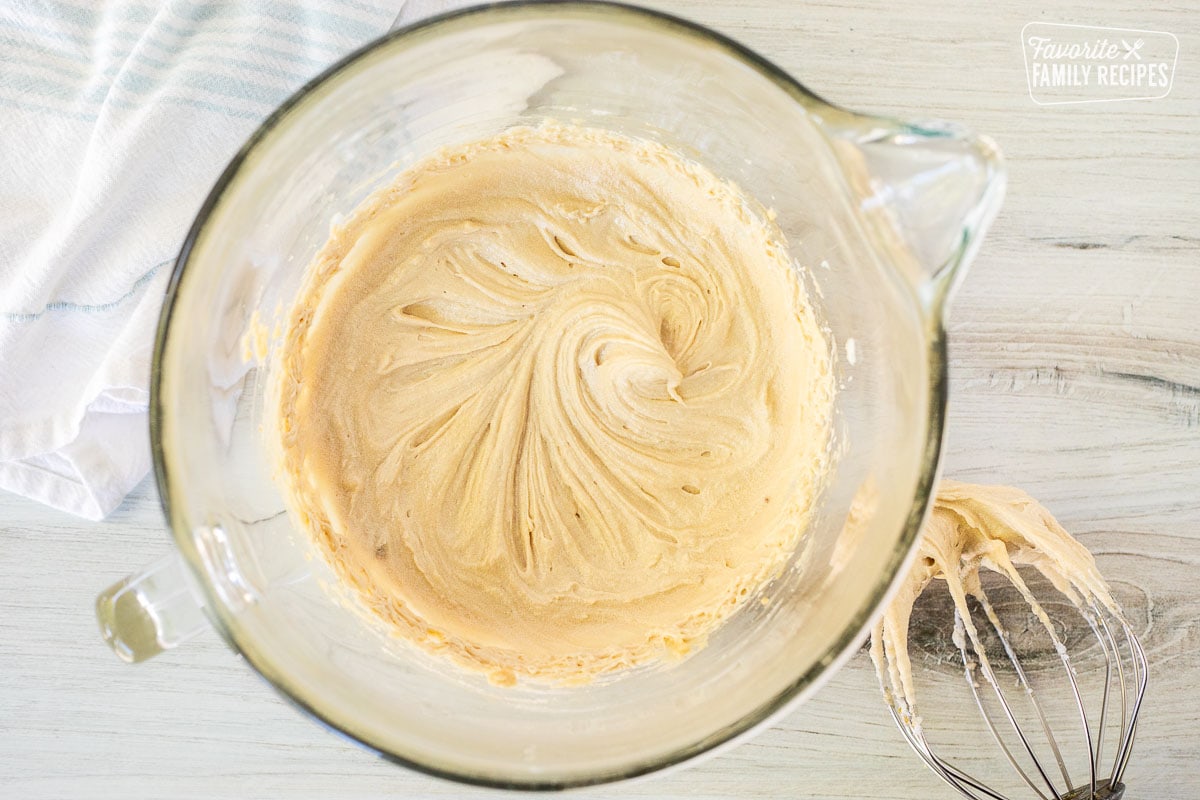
(1075, 352)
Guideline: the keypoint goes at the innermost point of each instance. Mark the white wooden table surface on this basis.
(1075, 352)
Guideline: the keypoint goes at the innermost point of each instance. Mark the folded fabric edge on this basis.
(57, 479)
(119, 384)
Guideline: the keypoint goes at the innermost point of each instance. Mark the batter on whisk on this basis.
(971, 528)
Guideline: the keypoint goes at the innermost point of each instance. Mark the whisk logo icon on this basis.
(1068, 64)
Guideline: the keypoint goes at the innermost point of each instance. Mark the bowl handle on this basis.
(151, 611)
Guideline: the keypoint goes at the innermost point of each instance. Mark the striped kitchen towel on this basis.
(115, 120)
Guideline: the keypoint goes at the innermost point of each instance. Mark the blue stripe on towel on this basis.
(62, 305)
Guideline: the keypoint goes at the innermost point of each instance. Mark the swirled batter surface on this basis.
(554, 403)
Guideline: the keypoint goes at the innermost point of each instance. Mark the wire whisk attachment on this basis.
(1051, 665)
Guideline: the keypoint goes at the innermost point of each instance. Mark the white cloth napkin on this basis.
(115, 120)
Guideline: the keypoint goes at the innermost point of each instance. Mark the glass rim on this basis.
(806, 683)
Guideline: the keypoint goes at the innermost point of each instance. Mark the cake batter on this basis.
(554, 403)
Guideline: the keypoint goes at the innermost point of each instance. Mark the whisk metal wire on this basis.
(1130, 687)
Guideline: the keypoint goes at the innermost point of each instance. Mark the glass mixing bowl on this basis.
(881, 217)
